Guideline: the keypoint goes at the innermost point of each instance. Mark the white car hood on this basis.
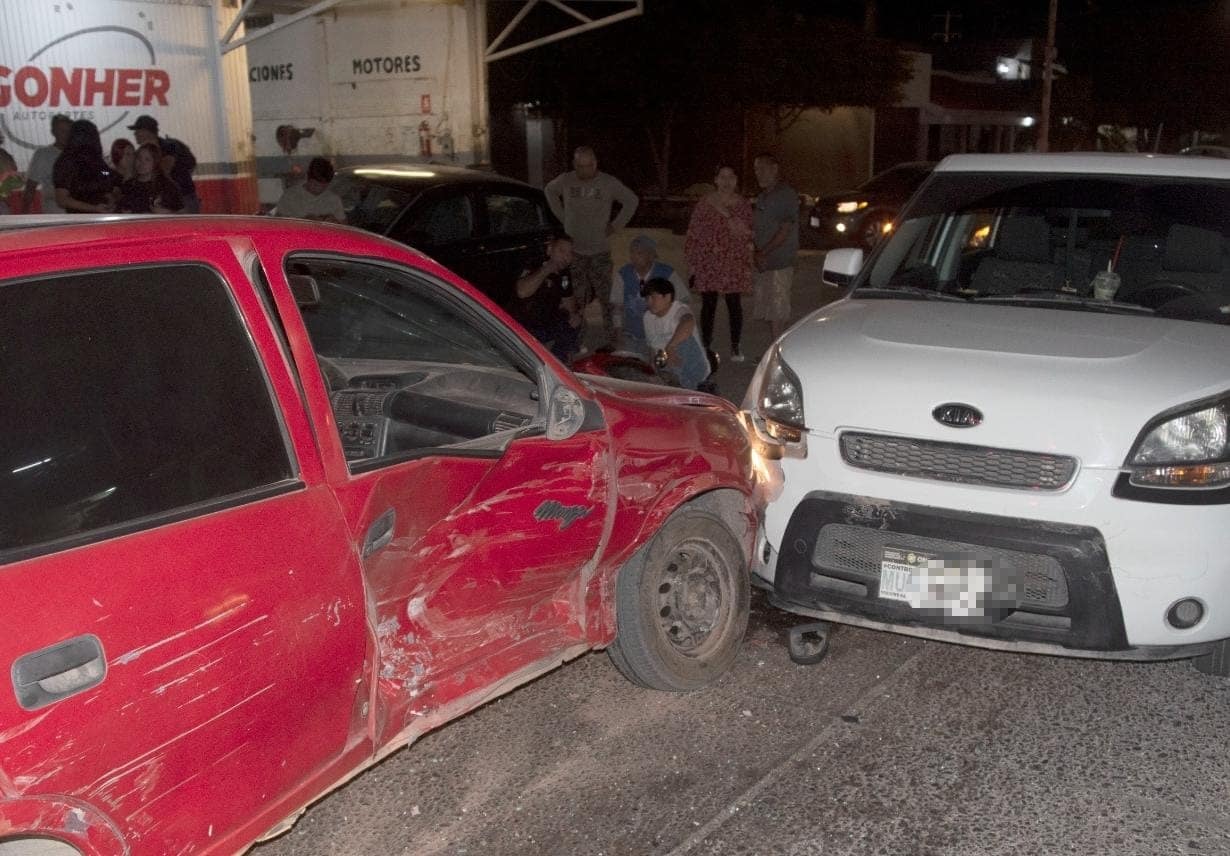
(1051, 380)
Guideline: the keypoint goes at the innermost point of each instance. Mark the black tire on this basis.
(681, 605)
(1216, 662)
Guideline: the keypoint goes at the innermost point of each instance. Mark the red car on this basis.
(276, 499)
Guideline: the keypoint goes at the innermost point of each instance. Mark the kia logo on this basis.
(957, 415)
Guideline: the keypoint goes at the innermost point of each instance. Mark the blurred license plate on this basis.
(956, 586)
(900, 577)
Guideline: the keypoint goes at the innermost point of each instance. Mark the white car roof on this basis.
(1095, 163)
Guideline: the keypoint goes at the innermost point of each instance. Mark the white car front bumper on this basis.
(1104, 571)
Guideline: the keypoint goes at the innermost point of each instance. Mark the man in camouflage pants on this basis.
(583, 200)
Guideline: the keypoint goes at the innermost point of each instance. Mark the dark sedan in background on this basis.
(484, 227)
(859, 217)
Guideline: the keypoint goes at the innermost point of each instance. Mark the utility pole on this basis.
(1048, 75)
(949, 34)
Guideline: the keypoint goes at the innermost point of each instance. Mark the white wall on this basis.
(147, 56)
(361, 75)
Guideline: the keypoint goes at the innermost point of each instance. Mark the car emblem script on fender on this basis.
(957, 415)
(565, 515)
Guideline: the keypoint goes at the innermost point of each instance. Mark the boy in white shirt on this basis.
(628, 290)
(313, 200)
(670, 330)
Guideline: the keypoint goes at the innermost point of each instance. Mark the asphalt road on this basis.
(891, 745)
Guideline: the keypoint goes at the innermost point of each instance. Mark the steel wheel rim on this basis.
(693, 598)
(871, 233)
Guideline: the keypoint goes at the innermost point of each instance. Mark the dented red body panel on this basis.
(255, 658)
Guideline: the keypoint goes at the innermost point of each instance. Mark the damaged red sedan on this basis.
(277, 498)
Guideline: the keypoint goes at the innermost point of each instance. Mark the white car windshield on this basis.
(1106, 243)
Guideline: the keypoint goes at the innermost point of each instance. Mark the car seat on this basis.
(1020, 259)
(1193, 263)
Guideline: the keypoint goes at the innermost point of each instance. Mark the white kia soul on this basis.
(1013, 431)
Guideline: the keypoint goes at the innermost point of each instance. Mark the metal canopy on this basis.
(624, 9)
(297, 10)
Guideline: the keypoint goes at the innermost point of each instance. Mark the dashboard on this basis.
(382, 413)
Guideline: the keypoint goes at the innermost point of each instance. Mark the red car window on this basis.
(139, 394)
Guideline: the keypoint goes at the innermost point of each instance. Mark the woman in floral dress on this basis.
(718, 249)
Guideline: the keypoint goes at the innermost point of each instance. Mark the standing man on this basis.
(42, 165)
(582, 200)
(178, 162)
(313, 200)
(776, 236)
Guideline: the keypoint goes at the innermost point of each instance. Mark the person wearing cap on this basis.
(313, 200)
(628, 290)
(178, 162)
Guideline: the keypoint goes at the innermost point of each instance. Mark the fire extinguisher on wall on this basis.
(424, 139)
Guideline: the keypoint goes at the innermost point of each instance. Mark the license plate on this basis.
(956, 586)
(899, 574)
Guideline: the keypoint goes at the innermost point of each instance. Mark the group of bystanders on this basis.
(733, 247)
(72, 176)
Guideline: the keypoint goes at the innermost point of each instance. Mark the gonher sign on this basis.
(30, 94)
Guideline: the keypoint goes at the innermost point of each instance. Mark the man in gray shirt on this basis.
(582, 200)
(42, 164)
(776, 237)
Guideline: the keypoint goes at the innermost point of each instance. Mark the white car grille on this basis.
(955, 462)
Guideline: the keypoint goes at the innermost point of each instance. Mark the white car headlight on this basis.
(1191, 449)
(850, 207)
(779, 401)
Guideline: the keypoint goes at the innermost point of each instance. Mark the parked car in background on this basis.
(277, 498)
(860, 216)
(1014, 431)
(1207, 151)
(482, 226)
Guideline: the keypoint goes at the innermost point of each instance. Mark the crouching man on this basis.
(628, 290)
(544, 303)
(670, 330)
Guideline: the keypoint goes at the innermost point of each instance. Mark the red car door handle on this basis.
(59, 671)
(380, 533)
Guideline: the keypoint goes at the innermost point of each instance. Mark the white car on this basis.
(1012, 432)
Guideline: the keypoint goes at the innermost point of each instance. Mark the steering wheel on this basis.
(1158, 294)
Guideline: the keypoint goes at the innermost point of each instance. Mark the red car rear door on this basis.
(184, 613)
